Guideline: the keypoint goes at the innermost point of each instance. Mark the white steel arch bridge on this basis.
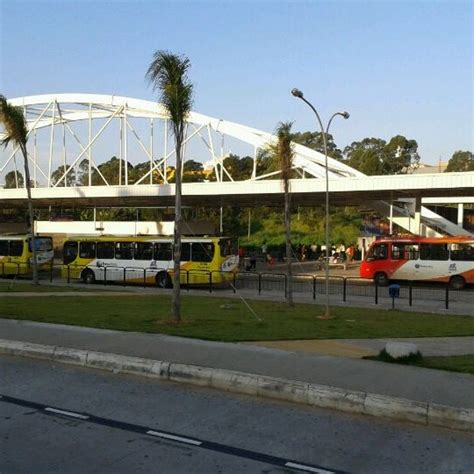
(72, 134)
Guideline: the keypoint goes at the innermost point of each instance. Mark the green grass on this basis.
(22, 287)
(462, 363)
(225, 319)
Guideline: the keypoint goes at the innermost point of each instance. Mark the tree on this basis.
(374, 156)
(314, 140)
(69, 180)
(284, 153)
(168, 73)
(461, 161)
(16, 132)
(401, 155)
(13, 179)
(366, 156)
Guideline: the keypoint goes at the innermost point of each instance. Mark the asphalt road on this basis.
(62, 419)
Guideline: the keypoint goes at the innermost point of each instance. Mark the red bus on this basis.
(443, 259)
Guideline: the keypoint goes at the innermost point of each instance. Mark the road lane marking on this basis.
(66, 413)
(201, 444)
(304, 467)
(174, 437)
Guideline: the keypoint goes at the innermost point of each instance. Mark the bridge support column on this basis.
(460, 215)
(417, 217)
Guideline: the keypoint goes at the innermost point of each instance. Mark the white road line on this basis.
(308, 468)
(67, 413)
(174, 438)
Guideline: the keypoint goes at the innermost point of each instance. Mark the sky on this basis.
(398, 67)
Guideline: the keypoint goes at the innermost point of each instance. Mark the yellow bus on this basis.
(149, 259)
(16, 256)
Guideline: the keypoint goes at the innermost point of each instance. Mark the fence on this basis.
(303, 285)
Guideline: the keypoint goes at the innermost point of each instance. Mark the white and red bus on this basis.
(443, 259)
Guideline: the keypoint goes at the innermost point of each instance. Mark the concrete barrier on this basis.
(258, 385)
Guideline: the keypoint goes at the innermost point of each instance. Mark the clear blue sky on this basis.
(401, 67)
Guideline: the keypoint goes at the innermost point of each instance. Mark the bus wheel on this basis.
(163, 280)
(457, 282)
(88, 277)
(381, 279)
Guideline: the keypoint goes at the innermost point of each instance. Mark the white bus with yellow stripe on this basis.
(148, 259)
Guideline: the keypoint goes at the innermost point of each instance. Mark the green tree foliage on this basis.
(374, 156)
(14, 179)
(314, 140)
(461, 161)
(69, 180)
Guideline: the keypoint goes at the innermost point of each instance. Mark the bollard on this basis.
(410, 293)
(234, 281)
(314, 288)
(259, 283)
(376, 292)
(210, 282)
(144, 278)
(446, 302)
(344, 289)
(394, 292)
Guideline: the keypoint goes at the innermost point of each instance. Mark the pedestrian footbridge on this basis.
(71, 135)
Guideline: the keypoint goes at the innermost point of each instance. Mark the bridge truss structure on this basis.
(71, 135)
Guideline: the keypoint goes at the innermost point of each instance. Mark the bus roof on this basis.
(127, 238)
(464, 239)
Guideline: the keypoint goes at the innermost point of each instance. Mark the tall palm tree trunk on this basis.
(30, 213)
(176, 303)
(289, 271)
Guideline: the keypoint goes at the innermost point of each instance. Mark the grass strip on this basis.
(226, 319)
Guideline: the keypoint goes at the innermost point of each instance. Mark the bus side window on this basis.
(378, 252)
(69, 252)
(163, 251)
(203, 251)
(144, 251)
(186, 252)
(434, 252)
(87, 249)
(3, 248)
(124, 250)
(105, 250)
(462, 252)
(16, 248)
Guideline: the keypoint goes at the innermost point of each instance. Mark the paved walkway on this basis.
(425, 385)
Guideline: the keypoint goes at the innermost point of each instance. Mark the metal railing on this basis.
(341, 288)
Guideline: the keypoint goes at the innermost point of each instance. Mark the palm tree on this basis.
(16, 132)
(168, 73)
(284, 154)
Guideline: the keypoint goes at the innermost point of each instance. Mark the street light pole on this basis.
(297, 93)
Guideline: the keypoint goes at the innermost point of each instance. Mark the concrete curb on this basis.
(258, 385)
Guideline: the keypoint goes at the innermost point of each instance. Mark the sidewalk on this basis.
(365, 377)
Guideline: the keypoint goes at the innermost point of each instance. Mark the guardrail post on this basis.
(259, 283)
(446, 302)
(124, 276)
(314, 287)
(286, 283)
(234, 281)
(410, 293)
(376, 292)
(344, 288)
(68, 275)
(210, 282)
(144, 278)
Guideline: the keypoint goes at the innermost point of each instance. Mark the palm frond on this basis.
(14, 123)
(168, 74)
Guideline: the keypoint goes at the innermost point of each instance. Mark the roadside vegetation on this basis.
(228, 319)
(459, 363)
